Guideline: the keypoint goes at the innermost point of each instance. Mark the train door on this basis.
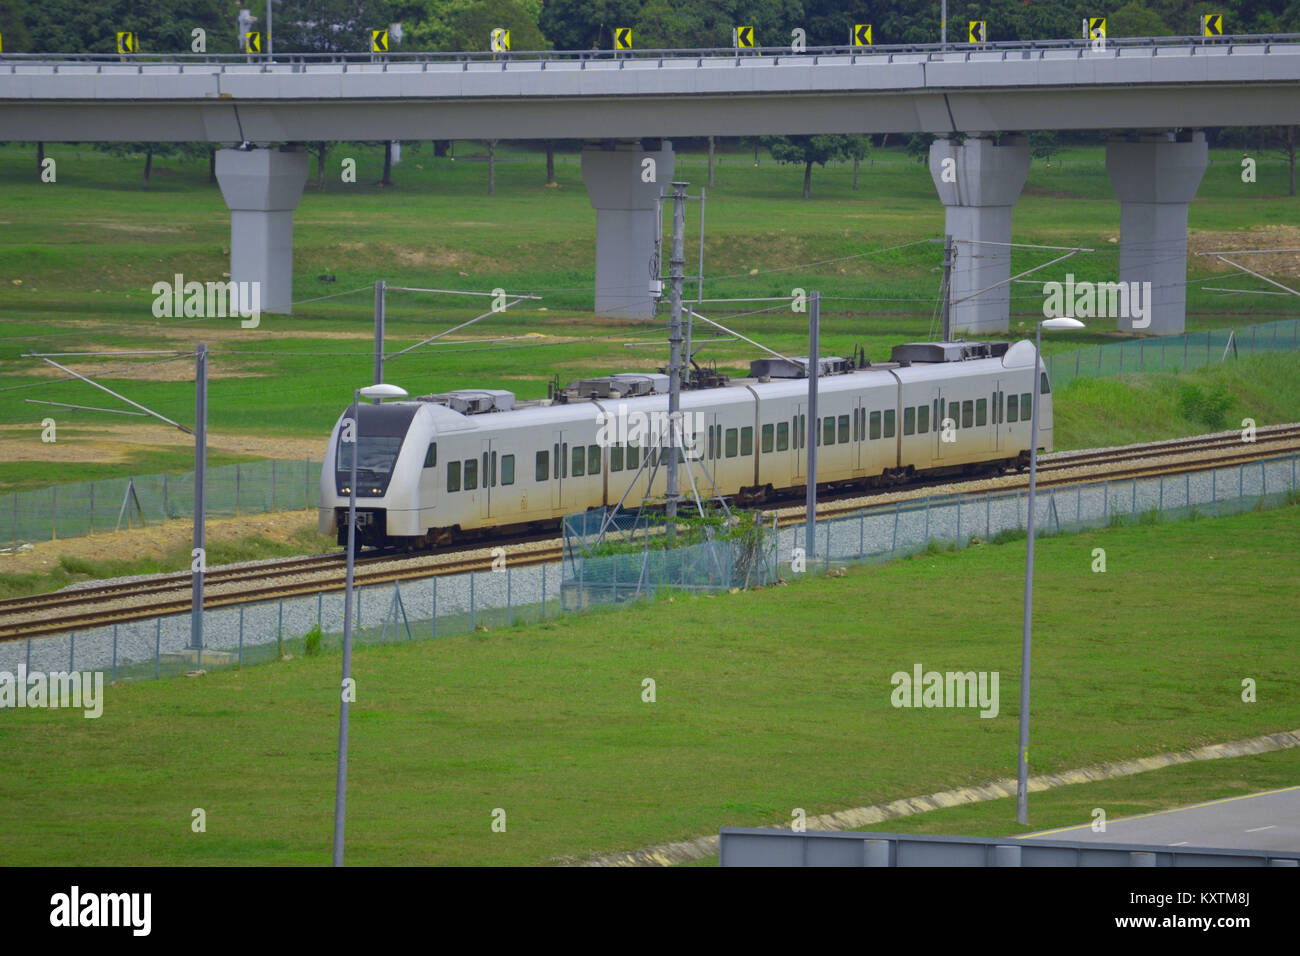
(707, 451)
(559, 469)
(487, 471)
(859, 432)
(798, 435)
(996, 415)
(938, 415)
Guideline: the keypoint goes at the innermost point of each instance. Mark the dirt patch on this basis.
(1259, 237)
(180, 369)
(154, 541)
(114, 442)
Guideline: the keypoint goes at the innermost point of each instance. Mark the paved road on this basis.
(1255, 821)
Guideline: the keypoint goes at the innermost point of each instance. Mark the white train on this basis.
(452, 466)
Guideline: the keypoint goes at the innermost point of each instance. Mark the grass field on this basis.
(766, 701)
(78, 258)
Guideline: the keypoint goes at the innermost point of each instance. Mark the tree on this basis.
(467, 25)
(328, 26)
(808, 150)
(857, 147)
(918, 146)
(1043, 144)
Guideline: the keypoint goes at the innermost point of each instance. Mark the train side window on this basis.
(889, 423)
(981, 412)
(507, 469)
(633, 456)
(767, 436)
(843, 426)
(782, 436)
(997, 408)
(494, 470)
(431, 456)
(1043, 387)
(579, 459)
(471, 474)
(593, 459)
(615, 457)
(747, 440)
(909, 421)
(828, 430)
(1013, 404)
(923, 418)
(1026, 406)
(875, 425)
(967, 413)
(803, 431)
(542, 470)
(732, 435)
(453, 476)
(857, 432)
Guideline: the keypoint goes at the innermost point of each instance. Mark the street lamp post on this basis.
(1022, 777)
(377, 392)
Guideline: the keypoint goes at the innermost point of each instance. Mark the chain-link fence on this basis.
(87, 507)
(1175, 352)
(457, 604)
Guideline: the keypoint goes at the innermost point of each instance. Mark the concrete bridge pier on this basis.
(624, 188)
(262, 188)
(1155, 177)
(979, 183)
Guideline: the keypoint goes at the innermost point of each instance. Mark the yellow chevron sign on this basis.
(125, 42)
(862, 34)
(378, 41)
(979, 31)
(1212, 25)
(623, 38)
(744, 38)
(252, 43)
(500, 40)
(1096, 28)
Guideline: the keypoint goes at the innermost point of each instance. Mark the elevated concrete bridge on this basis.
(627, 107)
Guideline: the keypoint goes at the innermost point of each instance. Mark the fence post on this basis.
(28, 666)
(1098, 361)
(988, 517)
(1161, 506)
(1078, 354)
(1214, 492)
(959, 520)
(471, 600)
(927, 521)
(1187, 337)
(92, 507)
(510, 610)
(114, 653)
(1241, 479)
(236, 489)
(72, 652)
(1187, 493)
(306, 483)
(543, 591)
(1162, 354)
(54, 512)
(272, 484)
(1207, 348)
(435, 606)
(320, 597)
(862, 534)
(893, 544)
(279, 630)
(826, 565)
(167, 512)
(1133, 510)
(157, 645)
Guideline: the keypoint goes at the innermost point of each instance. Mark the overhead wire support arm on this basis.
(104, 388)
(457, 328)
(1257, 275)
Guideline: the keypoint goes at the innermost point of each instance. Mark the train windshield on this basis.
(381, 431)
(377, 455)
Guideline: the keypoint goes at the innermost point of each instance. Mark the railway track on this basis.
(98, 605)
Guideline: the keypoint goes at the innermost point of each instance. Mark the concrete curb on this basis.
(686, 851)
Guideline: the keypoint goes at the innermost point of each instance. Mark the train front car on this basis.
(395, 443)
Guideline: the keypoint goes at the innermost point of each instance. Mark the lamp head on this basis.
(383, 391)
(1062, 323)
